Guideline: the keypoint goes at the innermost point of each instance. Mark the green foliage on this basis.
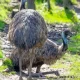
(71, 15)
(8, 62)
(58, 1)
(2, 23)
(2, 68)
(1, 54)
(5, 1)
(75, 67)
(74, 45)
(61, 2)
(38, 1)
(57, 14)
(70, 63)
(4, 10)
(74, 1)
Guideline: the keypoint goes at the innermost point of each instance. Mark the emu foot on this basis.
(38, 75)
(41, 75)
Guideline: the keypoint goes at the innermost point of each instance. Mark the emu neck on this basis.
(65, 42)
(63, 46)
(22, 6)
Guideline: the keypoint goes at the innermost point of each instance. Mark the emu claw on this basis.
(38, 75)
(41, 75)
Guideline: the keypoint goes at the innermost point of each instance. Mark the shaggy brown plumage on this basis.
(27, 31)
(48, 54)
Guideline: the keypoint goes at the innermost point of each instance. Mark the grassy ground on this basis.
(57, 14)
(74, 45)
(1, 54)
(70, 61)
(4, 10)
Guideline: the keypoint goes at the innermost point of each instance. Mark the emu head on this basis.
(66, 34)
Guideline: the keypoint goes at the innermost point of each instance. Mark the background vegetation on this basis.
(4, 11)
(57, 14)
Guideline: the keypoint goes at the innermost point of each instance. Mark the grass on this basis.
(71, 63)
(74, 2)
(1, 54)
(57, 14)
(4, 11)
(61, 1)
(71, 60)
(7, 63)
(74, 45)
(4, 67)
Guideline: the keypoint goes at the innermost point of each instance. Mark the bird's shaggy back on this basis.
(27, 29)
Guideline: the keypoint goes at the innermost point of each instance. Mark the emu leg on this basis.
(38, 68)
(22, 5)
(20, 65)
(32, 55)
(38, 71)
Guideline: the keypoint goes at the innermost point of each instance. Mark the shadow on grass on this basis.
(2, 25)
(70, 15)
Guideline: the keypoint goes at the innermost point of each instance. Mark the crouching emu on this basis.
(48, 54)
(26, 32)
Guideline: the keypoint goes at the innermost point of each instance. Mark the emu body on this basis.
(26, 32)
(49, 53)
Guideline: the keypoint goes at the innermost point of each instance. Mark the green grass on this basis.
(57, 14)
(61, 1)
(2, 68)
(5, 1)
(74, 45)
(73, 55)
(7, 63)
(4, 10)
(1, 54)
(71, 63)
(74, 2)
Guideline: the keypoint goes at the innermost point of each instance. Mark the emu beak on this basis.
(68, 37)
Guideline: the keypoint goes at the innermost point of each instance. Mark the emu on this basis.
(49, 53)
(26, 32)
(22, 5)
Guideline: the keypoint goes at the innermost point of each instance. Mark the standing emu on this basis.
(48, 54)
(22, 4)
(26, 32)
